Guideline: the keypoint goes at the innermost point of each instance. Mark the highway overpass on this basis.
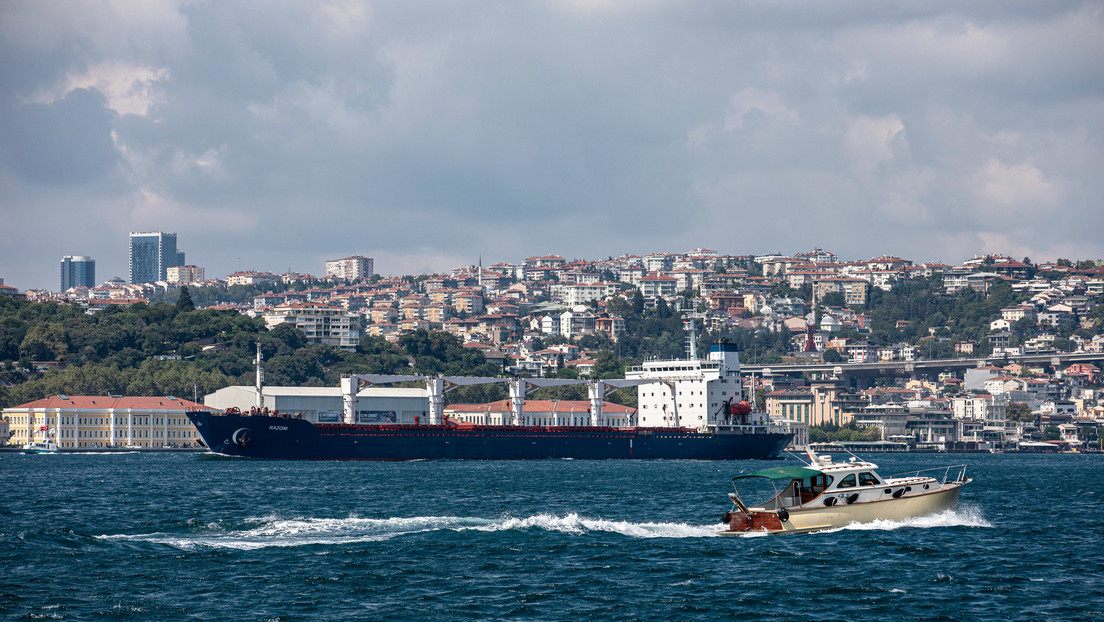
(920, 368)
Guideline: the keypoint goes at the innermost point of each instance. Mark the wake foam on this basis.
(962, 517)
(277, 532)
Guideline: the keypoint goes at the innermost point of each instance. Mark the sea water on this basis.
(196, 537)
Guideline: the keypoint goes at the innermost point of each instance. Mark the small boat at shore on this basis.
(826, 495)
(45, 446)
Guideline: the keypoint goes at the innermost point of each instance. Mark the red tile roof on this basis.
(104, 402)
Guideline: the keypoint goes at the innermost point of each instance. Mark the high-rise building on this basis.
(351, 268)
(151, 255)
(77, 270)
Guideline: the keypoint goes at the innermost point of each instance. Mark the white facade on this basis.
(695, 392)
(324, 324)
(351, 268)
(185, 274)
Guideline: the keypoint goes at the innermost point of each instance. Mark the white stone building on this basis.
(321, 323)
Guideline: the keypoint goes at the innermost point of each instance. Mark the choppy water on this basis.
(192, 537)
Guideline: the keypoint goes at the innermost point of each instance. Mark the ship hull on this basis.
(281, 438)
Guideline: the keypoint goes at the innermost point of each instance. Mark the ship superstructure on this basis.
(692, 392)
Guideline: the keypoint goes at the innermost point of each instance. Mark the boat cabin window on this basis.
(847, 482)
(810, 487)
(868, 479)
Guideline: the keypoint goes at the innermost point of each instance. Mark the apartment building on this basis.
(320, 323)
(351, 268)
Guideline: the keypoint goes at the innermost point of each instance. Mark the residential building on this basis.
(658, 286)
(251, 277)
(854, 291)
(77, 271)
(351, 268)
(185, 274)
(320, 323)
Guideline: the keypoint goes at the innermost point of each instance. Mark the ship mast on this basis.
(259, 401)
(691, 338)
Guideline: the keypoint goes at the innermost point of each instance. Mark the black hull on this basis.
(279, 438)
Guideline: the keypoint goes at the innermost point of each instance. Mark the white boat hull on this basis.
(804, 519)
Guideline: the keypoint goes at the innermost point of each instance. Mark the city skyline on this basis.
(426, 136)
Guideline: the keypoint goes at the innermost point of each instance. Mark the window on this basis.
(847, 482)
(868, 479)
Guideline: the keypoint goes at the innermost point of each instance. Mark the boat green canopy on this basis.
(783, 472)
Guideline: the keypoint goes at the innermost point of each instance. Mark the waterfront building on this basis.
(84, 422)
(351, 268)
(77, 271)
(822, 402)
(151, 255)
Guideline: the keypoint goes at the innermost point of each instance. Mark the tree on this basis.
(832, 356)
(184, 301)
(1018, 411)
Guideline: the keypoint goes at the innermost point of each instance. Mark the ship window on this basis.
(847, 482)
(868, 479)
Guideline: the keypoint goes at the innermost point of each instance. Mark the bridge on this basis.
(918, 368)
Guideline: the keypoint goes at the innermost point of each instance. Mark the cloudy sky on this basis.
(277, 135)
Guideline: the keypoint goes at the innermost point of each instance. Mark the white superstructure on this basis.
(693, 393)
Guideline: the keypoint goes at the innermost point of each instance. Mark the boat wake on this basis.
(962, 517)
(268, 532)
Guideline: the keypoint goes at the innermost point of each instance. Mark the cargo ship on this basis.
(288, 438)
(689, 410)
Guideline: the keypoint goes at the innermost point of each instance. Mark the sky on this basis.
(275, 135)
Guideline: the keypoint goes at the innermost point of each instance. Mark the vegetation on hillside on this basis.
(170, 348)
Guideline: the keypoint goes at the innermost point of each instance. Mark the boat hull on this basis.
(821, 518)
(281, 438)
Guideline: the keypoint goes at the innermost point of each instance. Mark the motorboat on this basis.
(825, 494)
(46, 446)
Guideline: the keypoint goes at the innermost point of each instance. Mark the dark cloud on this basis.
(275, 136)
(64, 142)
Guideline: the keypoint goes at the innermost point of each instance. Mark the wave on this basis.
(268, 532)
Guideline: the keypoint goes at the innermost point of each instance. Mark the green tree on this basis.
(184, 300)
(44, 342)
(1018, 411)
